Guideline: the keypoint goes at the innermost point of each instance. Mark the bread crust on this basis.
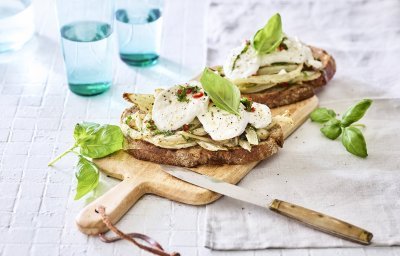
(283, 95)
(196, 155)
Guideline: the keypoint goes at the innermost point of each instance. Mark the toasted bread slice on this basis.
(281, 95)
(196, 155)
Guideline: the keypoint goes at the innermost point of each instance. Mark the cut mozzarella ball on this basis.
(171, 114)
(242, 62)
(297, 52)
(222, 125)
(261, 116)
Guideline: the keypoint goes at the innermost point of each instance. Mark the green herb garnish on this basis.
(183, 91)
(224, 94)
(92, 141)
(270, 36)
(181, 94)
(248, 103)
(238, 56)
(165, 133)
(151, 125)
(128, 120)
(352, 138)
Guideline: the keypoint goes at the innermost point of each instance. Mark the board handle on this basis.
(117, 201)
(322, 222)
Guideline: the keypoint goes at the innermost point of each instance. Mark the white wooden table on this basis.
(37, 116)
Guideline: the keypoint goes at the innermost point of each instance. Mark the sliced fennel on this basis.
(301, 77)
(270, 79)
(270, 70)
(211, 146)
(251, 136)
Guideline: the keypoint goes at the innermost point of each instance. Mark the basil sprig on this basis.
(221, 91)
(92, 141)
(270, 36)
(352, 138)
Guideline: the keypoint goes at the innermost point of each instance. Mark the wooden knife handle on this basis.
(322, 222)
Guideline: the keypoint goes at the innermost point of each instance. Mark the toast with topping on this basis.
(200, 123)
(275, 69)
(198, 153)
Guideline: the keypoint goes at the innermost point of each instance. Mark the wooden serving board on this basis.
(142, 177)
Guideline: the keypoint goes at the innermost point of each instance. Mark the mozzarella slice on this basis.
(297, 52)
(171, 114)
(222, 125)
(242, 62)
(261, 117)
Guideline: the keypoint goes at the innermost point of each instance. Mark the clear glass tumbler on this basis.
(16, 24)
(139, 27)
(86, 27)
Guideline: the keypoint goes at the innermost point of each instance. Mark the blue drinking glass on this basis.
(86, 28)
(16, 24)
(139, 27)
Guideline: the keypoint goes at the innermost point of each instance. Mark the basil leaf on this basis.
(270, 36)
(356, 112)
(221, 91)
(84, 131)
(322, 115)
(332, 129)
(87, 175)
(96, 141)
(353, 140)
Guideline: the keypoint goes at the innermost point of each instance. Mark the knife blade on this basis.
(311, 218)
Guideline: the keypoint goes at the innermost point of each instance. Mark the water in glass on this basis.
(88, 57)
(139, 35)
(16, 24)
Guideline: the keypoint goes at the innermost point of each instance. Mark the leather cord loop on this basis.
(152, 245)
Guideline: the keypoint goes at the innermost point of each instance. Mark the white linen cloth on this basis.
(312, 170)
(320, 174)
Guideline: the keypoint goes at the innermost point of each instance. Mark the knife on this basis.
(313, 219)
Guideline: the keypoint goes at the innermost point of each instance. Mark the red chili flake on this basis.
(186, 127)
(179, 91)
(188, 91)
(198, 95)
(253, 109)
(284, 84)
(249, 98)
